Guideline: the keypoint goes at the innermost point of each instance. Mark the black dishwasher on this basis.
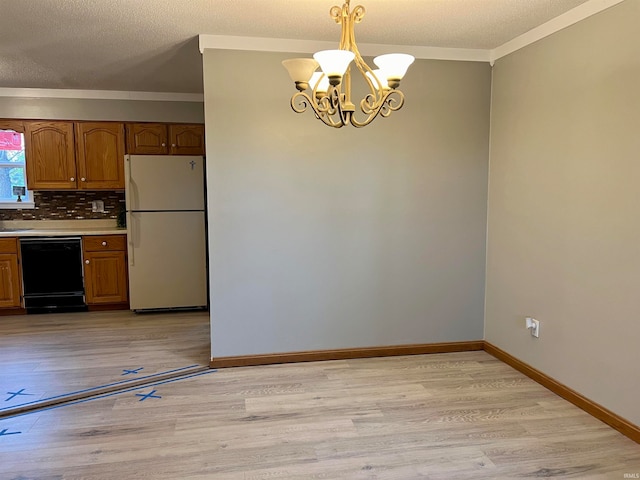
(52, 274)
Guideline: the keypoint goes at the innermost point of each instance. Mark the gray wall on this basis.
(101, 110)
(564, 207)
(323, 238)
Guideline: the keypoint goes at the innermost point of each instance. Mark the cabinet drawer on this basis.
(100, 243)
(9, 245)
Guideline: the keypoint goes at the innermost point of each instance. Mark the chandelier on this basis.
(328, 92)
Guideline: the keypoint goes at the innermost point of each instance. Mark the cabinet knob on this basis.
(104, 244)
(83, 179)
(173, 145)
(86, 261)
(72, 179)
(164, 144)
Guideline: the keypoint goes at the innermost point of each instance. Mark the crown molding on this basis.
(227, 42)
(100, 95)
(554, 25)
(264, 44)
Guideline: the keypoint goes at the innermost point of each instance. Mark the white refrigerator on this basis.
(166, 233)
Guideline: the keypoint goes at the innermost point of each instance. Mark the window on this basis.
(13, 176)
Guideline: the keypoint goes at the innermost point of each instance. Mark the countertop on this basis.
(58, 228)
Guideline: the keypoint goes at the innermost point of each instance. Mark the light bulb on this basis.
(321, 85)
(334, 63)
(394, 66)
(378, 76)
(300, 70)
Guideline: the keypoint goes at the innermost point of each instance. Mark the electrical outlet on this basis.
(534, 326)
(97, 206)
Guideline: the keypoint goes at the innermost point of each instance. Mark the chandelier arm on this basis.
(325, 105)
(300, 101)
(323, 108)
(348, 42)
(392, 101)
(370, 103)
(351, 18)
(329, 121)
(337, 101)
(336, 13)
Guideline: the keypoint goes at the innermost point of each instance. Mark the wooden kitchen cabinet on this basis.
(15, 125)
(105, 270)
(100, 155)
(10, 281)
(50, 155)
(186, 139)
(147, 138)
(74, 156)
(163, 139)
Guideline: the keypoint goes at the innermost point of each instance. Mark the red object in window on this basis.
(10, 141)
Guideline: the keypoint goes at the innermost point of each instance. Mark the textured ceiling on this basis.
(152, 45)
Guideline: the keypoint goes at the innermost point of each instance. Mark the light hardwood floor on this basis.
(442, 416)
(51, 355)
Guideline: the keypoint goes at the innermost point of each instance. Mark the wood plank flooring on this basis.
(51, 355)
(442, 416)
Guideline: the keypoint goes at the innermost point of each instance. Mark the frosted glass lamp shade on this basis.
(394, 66)
(300, 70)
(322, 84)
(334, 63)
(378, 76)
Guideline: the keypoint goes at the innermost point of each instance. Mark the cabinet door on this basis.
(186, 139)
(147, 139)
(50, 156)
(105, 277)
(15, 125)
(100, 155)
(9, 281)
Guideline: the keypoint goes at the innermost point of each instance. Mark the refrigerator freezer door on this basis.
(164, 182)
(167, 260)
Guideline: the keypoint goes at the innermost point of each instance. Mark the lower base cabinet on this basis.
(10, 282)
(105, 269)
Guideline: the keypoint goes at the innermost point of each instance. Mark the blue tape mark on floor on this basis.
(15, 394)
(5, 432)
(126, 371)
(147, 395)
(106, 395)
(136, 379)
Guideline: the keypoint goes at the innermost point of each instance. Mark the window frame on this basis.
(18, 127)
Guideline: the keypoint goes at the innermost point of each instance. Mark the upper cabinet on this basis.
(163, 139)
(147, 138)
(92, 159)
(66, 155)
(100, 155)
(186, 139)
(15, 125)
(50, 156)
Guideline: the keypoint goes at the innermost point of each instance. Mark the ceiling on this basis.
(152, 45)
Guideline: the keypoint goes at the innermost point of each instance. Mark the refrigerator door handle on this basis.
(128, 181)
(129, 186)
(130, 239)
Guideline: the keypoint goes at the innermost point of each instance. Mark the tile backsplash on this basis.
(68, 206)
